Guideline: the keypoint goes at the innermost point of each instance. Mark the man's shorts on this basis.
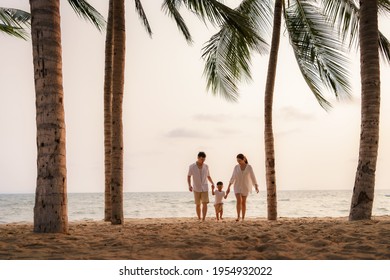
(201, 197)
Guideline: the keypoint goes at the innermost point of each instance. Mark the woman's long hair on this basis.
(242, 157)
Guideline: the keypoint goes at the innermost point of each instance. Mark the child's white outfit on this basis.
(219, 195)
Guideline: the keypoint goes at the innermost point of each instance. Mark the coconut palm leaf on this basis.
(344, 14)
(171, 8)
(14, 21)
(322, 64)
(219, 14)
(143, 17)
(384, 47)
(84, 10)
(228, 53)
(210, 10)
(384, 6)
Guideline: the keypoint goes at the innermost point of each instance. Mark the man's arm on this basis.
(212, 184)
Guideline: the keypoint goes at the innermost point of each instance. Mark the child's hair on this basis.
(241, 156)
(219, 183)
(202, 155)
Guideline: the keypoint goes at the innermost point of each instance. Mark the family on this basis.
(243, 179)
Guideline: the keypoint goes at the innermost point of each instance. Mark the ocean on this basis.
(90, 206)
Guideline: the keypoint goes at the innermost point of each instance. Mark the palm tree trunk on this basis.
(117, 100)
(107, 113)
(268, 102)
(363, 191)
(50, 210)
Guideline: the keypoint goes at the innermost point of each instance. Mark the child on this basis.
(218, 204)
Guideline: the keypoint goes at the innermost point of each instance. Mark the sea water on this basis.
(90, 206)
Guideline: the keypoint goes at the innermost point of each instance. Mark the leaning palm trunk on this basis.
(107, 114)
(117, 100)
(363, 192)
(50, 210)
(268, 102)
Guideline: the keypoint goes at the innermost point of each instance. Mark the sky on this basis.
(169, 116)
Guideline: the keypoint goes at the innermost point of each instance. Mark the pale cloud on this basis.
(288, 132)
(294, 114)
(222, 118)
(223, 131)
(185, 133)
(218, 118)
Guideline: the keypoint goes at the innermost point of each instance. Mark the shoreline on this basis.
(189, 239)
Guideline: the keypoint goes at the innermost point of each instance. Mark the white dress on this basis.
(243, 180)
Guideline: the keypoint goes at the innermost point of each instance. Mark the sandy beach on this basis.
(189, 239)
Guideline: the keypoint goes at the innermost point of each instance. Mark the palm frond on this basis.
(218, 14)
(384, 47)
(14, 21)
(228, 53)
(84, 10)
(171, 8)
(143, 17)
(220, 74)
(384, 6)
(344, 15)
(317, 51)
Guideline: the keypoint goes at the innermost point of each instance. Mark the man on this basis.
(200, 174)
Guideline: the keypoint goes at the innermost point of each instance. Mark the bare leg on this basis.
(204, 211)
(243, 206)
(216, 213)
(220, 214)
(198, 211)
(238, 206)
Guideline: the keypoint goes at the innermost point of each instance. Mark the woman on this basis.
(243, 179)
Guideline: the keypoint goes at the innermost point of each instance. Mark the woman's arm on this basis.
(253, 178)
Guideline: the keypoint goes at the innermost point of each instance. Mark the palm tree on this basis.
(363, 191)
(50, 210)
(212, 10)
(118, 80)
(14, 21)
(108, 94)
(268, 104)
(363, 23)
(107, 113)
(321, 63)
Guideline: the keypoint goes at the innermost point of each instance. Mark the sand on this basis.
(189, 239)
